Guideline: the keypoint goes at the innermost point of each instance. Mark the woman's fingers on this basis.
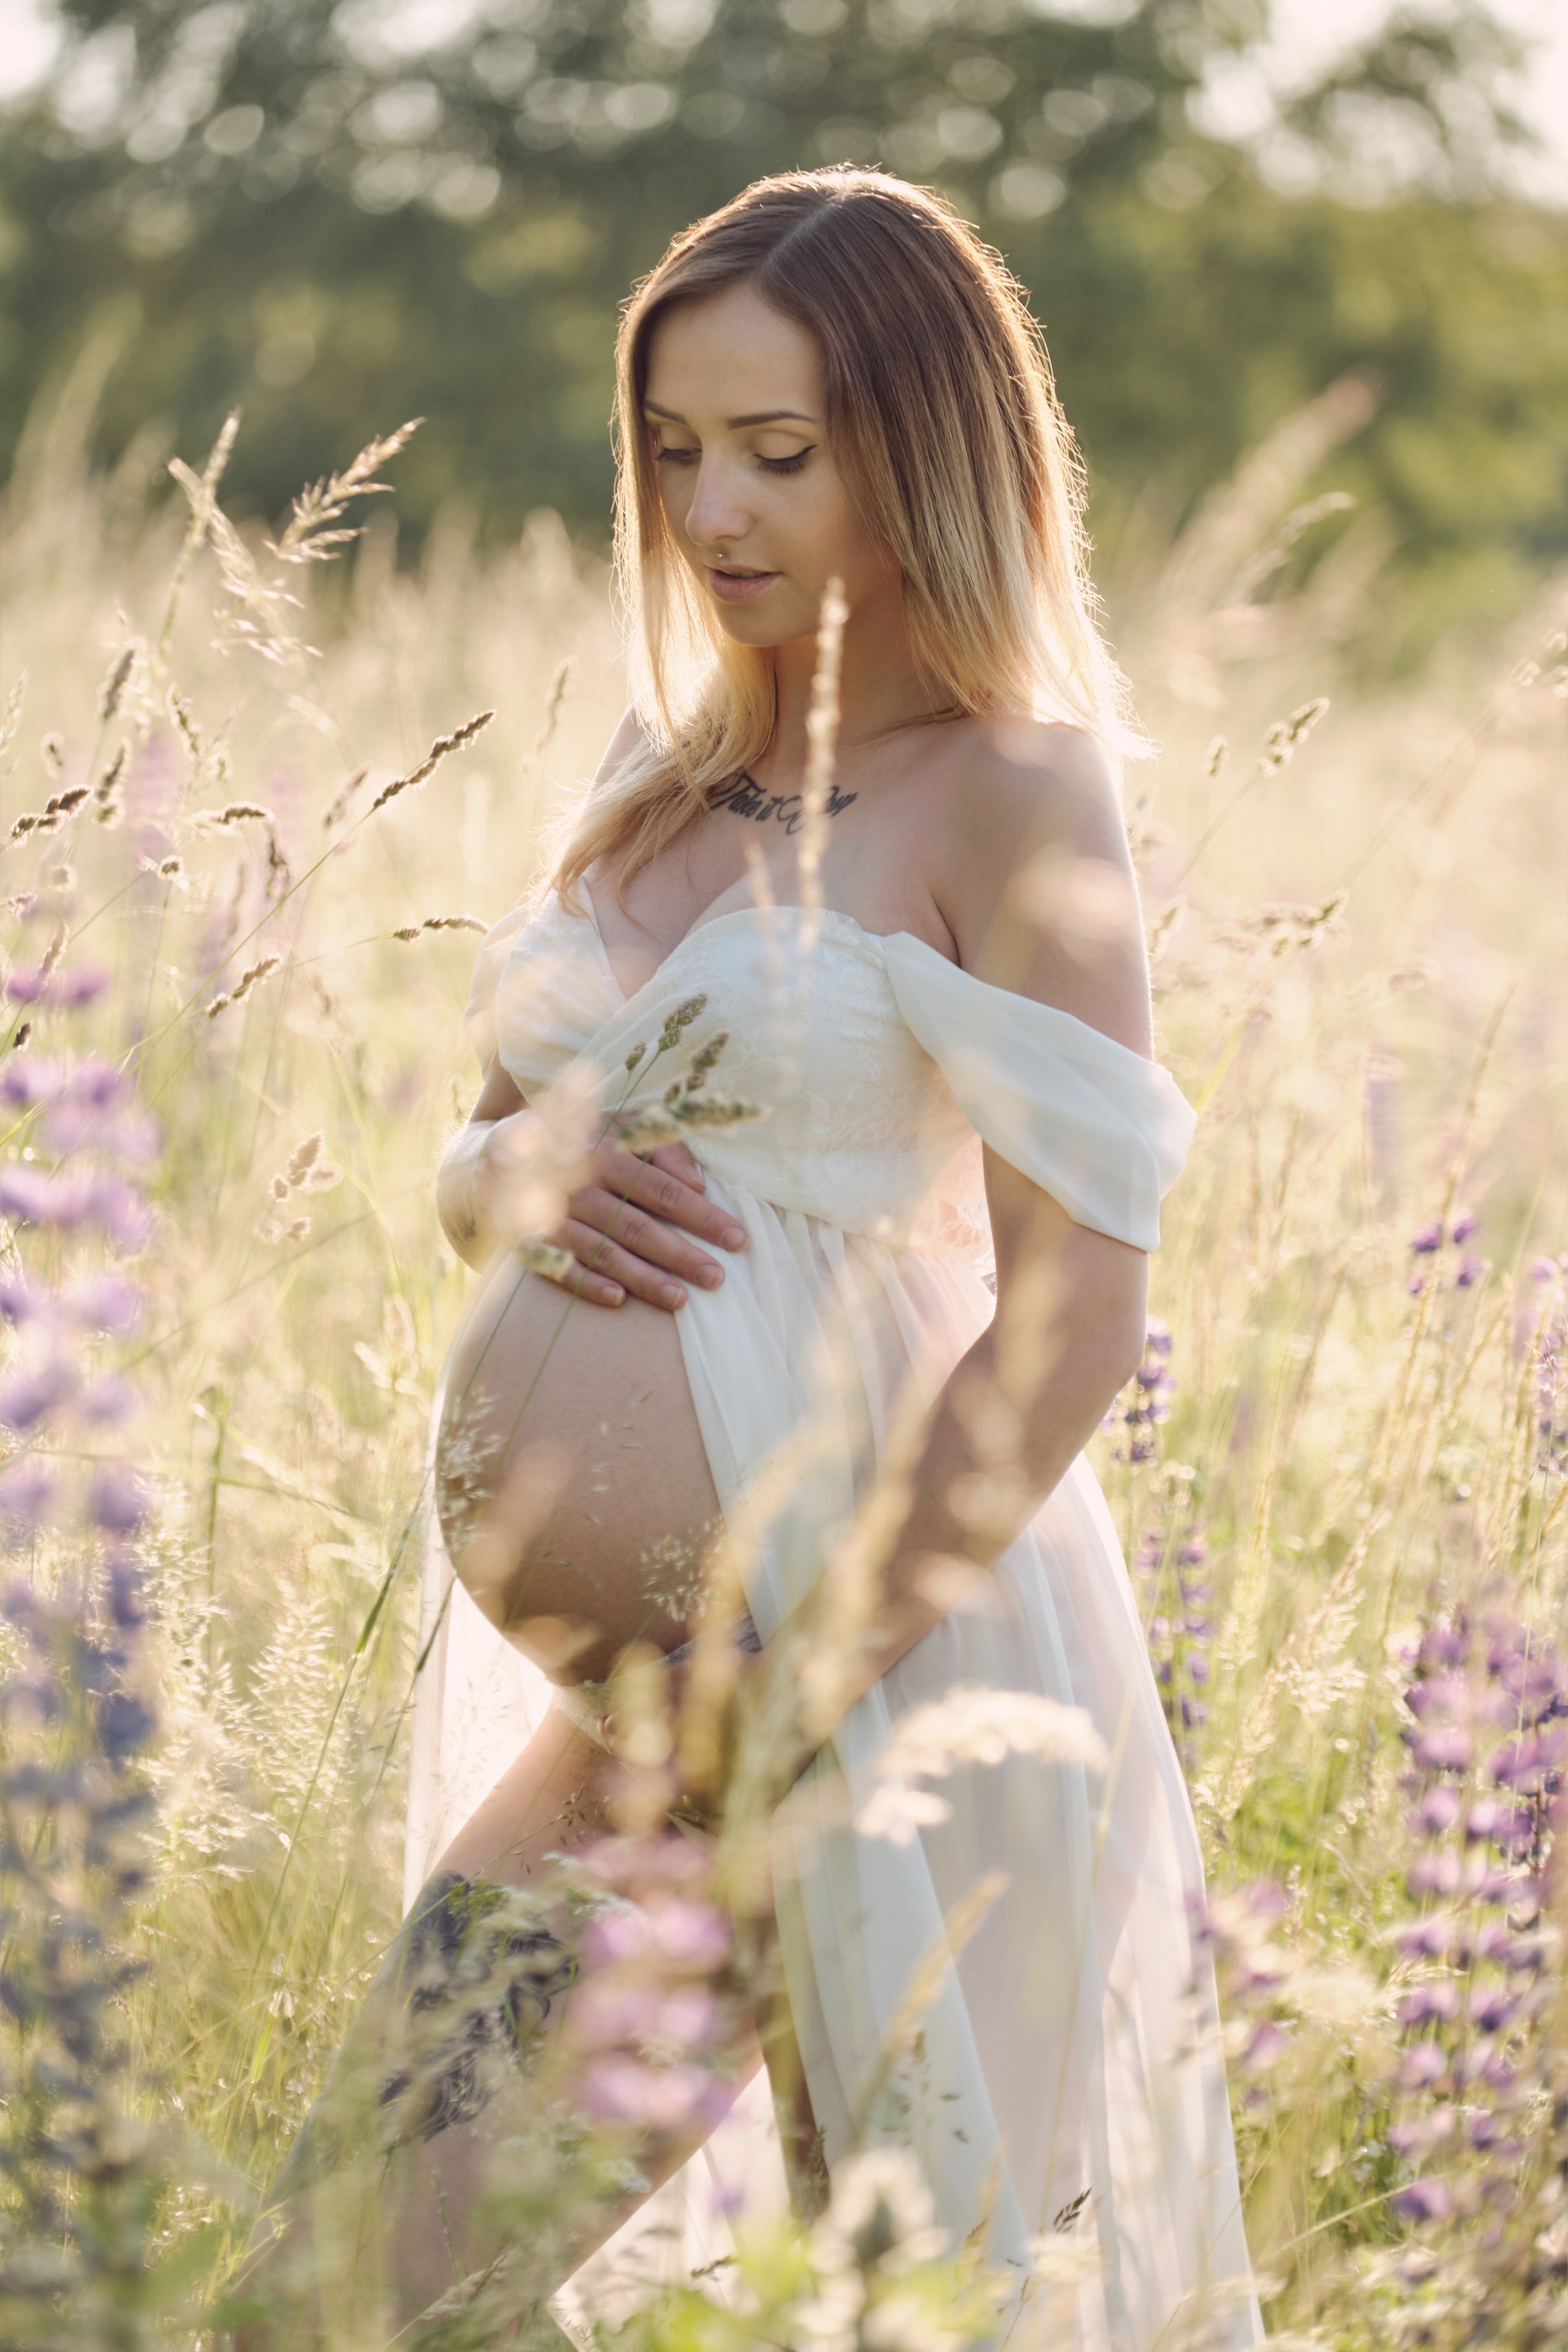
(678, 1160)
(589, 1283)
(609, 1264)
(654, 1188)
(645, 1237)
(627, 1229)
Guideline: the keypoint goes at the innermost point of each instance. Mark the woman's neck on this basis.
(879, 685)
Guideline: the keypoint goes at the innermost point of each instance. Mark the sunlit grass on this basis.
(1358, 951)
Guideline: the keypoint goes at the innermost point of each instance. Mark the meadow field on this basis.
(1341, 1475)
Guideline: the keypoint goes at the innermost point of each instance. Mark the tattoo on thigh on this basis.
(463, 1990)
(479, 1971)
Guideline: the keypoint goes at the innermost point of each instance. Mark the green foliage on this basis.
(334, 219)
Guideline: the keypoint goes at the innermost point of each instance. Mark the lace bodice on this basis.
(879, 1066)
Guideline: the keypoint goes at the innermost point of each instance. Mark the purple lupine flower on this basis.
(67, 988)
(1549, 1344)
(86, 1127)
(1445, 1748)
(110, 1399)
(106, 1303)
(1480, 1857)
(125, 1588)
(1149, 1404)
(1492, 2008)
(72, 1795)
(1422, 2200)
(1442, 1645)
(1422, 2066)
(1437, 1810)
(32, 1197)
(30, 1393)
(35, 1077)
(1431, 1242)
(1426, 1939)
(26, 1302)
(28, 1491)
(118, 1501)
(122, 1212)
(1431, 2003)
(619, 2088)
(648, 2002)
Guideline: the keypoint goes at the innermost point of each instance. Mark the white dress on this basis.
(1067, 2082)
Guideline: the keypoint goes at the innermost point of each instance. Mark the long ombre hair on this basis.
(942, 418)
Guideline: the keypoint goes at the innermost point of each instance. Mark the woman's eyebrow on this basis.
(737, 424)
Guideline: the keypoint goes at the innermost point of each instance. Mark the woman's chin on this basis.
(764, 625)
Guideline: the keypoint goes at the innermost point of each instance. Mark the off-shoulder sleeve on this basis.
(1100, 1128)
(479, 1016)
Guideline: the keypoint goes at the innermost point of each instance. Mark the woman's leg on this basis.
(425, 2218)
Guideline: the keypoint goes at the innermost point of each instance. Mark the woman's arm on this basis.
(1035, 884)
(1018, 1407)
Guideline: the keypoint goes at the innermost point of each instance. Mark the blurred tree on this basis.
(342, 215)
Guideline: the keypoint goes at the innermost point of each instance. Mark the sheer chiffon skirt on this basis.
(1065, 2090)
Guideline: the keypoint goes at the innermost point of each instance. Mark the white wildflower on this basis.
(897, 1812)
(971, 1725)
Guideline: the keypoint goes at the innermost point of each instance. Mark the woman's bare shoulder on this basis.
(1021, 777)
(1031, 868)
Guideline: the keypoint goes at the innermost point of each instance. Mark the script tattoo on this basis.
(746, 797)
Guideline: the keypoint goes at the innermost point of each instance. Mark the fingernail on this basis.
(670, 1296)
(710, 1277)
(735, 1236)
(614, 1294)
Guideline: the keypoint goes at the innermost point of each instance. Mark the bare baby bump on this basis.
(571, 1482)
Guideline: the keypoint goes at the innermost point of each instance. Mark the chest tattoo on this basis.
(746, 797)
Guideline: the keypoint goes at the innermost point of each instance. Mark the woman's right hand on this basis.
(633, 1223)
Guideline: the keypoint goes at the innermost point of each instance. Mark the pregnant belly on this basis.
(572, 1486)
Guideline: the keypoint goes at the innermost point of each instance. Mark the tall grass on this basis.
(1351, 1432)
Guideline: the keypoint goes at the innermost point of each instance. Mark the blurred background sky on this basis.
(338, 212)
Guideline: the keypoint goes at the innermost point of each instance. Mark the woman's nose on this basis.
(716, 515)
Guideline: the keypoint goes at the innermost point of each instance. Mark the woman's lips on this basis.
(739, 587)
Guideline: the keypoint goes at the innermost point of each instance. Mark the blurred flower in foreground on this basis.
(1432, 1241)
(1172, 1557)
(1548, 1349)
(656, 2003)
(1487, 1738)
(84, 2178)
(1146, 1402)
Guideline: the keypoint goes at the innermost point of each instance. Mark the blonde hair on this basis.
(942, 417)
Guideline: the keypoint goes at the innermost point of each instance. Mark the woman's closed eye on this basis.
(789, 464)
(666, 455)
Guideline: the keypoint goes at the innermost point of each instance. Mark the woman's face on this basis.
(757, 505)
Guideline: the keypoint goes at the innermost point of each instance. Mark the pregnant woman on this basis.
(930, 984)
